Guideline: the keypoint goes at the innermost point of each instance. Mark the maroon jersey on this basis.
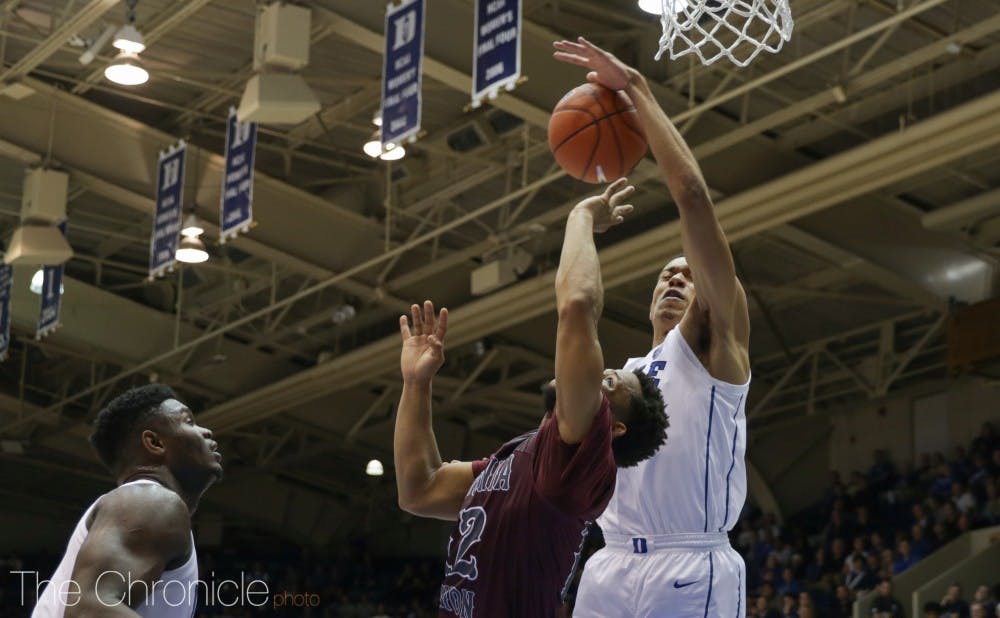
(524, 520)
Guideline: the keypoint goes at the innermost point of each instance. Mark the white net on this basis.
(735, 29)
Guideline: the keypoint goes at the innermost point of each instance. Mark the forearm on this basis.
(415, 449)
(578, 280)
(680, 168)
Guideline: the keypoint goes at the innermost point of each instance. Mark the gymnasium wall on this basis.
(927, 421)
(796, 457)
(793, 459)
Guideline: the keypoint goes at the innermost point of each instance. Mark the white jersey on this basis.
(174, 595)
(697, 481)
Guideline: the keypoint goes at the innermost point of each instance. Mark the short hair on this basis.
(647, 425)
(116, 422)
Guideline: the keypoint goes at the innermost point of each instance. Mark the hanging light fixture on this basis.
(374, 468)
(373, 147)
(656, 6)
(127, 69)
(129, 39)
(38, 280)
(192, 226)
(191, 251)
(377, 118)
(393, 152)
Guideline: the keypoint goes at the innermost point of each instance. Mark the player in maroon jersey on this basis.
(522, 513)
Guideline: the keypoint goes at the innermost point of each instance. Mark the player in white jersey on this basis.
(667, 553)
(132, 553)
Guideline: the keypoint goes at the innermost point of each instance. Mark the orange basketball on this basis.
(594, 134)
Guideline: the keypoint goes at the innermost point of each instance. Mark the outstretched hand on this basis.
(423, 345)
(605, 69)
(607, 208)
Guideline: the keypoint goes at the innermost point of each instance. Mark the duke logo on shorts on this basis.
(667, 551)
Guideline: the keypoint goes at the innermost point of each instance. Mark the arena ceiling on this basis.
(856, 173)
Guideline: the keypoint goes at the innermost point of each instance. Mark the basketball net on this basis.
(735, 29)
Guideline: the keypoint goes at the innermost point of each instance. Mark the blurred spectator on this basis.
(884, 605)
(860, 577)
(843, 603)
(962, 497)
(905, 558)
(984, 596)
(952, 605)
(932, 610)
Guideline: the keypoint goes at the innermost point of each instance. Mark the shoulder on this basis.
(151, 512)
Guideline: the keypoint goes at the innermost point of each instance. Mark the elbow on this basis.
(582, 303)
(693, 191)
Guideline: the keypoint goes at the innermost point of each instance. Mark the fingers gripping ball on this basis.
(594, 134)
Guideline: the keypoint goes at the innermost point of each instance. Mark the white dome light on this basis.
(374, 468)
(373, 147)
(191, 251)
(130, 40)
(38, 280)
(393, 153)
(656, 6)
(127, 70)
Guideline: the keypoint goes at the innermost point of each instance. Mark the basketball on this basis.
(594, 134)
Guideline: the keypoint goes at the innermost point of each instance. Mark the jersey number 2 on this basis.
(471, 523)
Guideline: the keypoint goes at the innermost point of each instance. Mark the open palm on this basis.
(605, 69)
(423, 344)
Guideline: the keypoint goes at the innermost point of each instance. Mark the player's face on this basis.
(191, 447)
(674, 292)
(619, 386)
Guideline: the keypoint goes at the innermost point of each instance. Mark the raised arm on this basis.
(426, 486)
(136, 533)
(579, 301)
(719, 293)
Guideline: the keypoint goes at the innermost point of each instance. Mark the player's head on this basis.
(638, 415)
(147, 427)
(672, 295)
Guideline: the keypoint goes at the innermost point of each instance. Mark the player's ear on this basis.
(151, 442)
(618, 429)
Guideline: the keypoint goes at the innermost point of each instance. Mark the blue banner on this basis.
(402, 71)
(169, 204)
(237, 181)
(6, 281)
(52, 287)
(496, 60)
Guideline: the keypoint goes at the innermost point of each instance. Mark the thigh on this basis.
(607, 587)
(678, 585)
(695, 585)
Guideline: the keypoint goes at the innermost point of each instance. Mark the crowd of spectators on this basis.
(864, 531)
(871, 528)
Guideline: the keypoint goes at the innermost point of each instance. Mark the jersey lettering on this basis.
(653, 371)
(496, 476)
(459, 602)
(471, 523)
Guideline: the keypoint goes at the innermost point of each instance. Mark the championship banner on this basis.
(496, 61)
(236, 203)
(6, 281)
(402, 72)
(52, 286)
(167, 218)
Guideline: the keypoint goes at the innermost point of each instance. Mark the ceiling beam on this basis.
(160, 26)
(946, 137)
(881, 276)
(81, 19)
